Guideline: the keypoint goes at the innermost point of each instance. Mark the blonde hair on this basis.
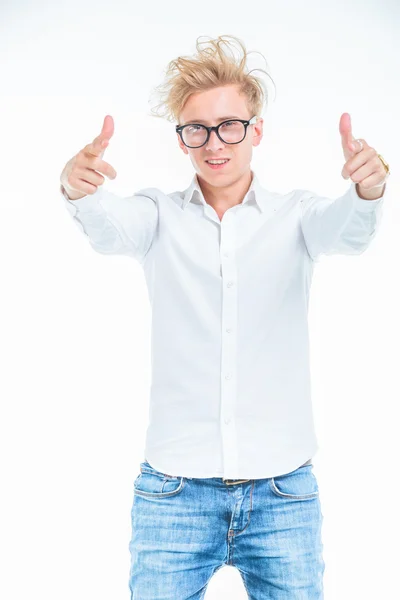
(210, 68)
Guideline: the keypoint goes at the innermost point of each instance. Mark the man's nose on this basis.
(214, 141)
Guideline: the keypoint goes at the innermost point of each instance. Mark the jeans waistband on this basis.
(236, 481)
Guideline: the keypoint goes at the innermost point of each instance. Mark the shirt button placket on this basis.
(229, 345)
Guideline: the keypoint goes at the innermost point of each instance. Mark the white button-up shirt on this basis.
(230, 394)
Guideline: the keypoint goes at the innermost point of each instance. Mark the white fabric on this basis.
(230, 394)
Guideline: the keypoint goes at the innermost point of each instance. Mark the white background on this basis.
(75, 324)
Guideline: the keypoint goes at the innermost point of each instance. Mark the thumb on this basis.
(346, 133)
(101, 142)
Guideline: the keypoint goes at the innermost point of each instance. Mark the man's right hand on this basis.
(82, 174)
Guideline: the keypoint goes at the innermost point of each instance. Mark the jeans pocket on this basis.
(151, 483)
(300, 484)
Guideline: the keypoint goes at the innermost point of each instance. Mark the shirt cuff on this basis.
(89, 203)
(365, 205)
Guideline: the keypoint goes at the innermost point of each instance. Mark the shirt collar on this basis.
(255, 192)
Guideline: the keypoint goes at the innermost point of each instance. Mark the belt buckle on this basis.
(234, 481)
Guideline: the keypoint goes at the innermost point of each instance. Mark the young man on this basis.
(227, 477)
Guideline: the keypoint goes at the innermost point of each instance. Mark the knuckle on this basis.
(107, 169)
(98, 177)
(83, 151)
(72, 178)
(81, 157)
(94, 163)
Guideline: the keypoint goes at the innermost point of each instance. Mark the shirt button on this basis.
(229, 330)
(227, 420)
(230, 283)
(226, 253)
(228, 376)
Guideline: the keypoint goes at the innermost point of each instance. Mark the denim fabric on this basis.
(185, 529)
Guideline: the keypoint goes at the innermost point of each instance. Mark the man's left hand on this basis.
(363, 164)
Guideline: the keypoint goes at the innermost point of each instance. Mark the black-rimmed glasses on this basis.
(195, 135)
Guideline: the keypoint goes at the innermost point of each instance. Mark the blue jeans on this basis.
(185, 529)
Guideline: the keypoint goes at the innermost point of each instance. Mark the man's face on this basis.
(211, 108)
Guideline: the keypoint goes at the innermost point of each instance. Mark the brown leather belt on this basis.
(234, 481)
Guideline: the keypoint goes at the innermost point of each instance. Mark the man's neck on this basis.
(222, 198)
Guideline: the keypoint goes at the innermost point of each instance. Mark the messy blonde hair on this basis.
(210, 68)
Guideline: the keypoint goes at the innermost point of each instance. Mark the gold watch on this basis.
(385, 164)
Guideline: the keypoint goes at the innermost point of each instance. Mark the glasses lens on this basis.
(230, 131)
(194, 135)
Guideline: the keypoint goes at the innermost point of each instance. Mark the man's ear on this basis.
(181, 144)
(258, 132)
